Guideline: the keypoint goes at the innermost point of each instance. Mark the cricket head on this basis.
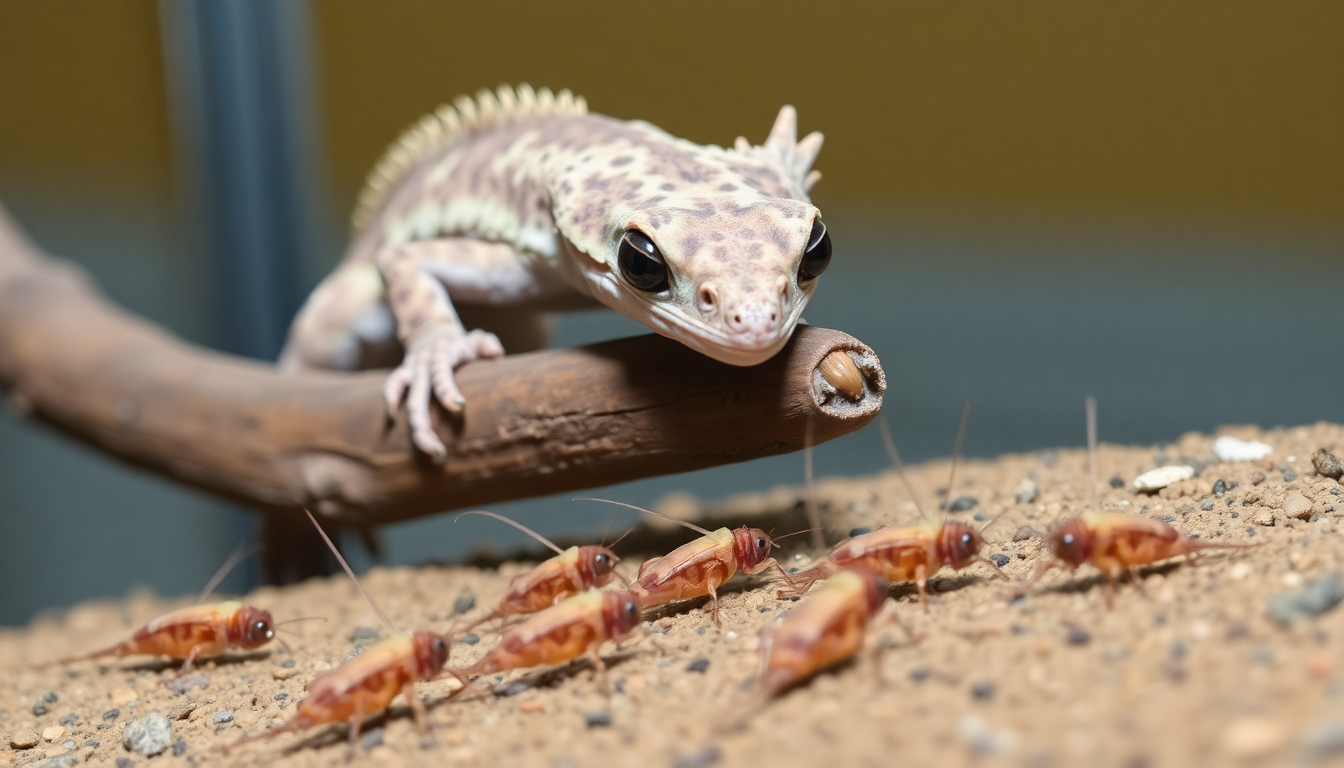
(252, 628)
(598, 565)
(959, 544)
(431, 653)
(622, 611)
(718, 249)
(751, 546)
(1071, 542)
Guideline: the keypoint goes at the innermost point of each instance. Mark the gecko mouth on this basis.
(744, 349)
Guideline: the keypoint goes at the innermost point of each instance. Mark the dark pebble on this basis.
(1317, 597)
(1117, 482)
(1327, 464)
(860, 530)
(359, 634)
(124, 762)
(981, 515)
(179, 747)
(111, 714)
(1206, 505)
(963, 503)
(464, 602)
(998, 559)
(514, 688)
(41, 708)
(288, 664)
(920, 673)
(762, 609)
(1023, 533)
(91, 744)
(371, 739)
(70, 719)
(471, 638)
(698, 665)
(705, 757)
(49, 697)
(1289, 475)
(1078, 636)
(1219, 487)
(1168, 519)
(595, 719)
(701, 630)
(1178, 649)
(281, 696)
(1250, 533)
(982, 690)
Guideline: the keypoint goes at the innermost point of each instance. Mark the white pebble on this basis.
(1235, 449)
(1157, 479)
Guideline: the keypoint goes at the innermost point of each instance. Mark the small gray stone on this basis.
(1078, 636)
(698, 665)
(354, 651)
(597, 719)
(999, 559)
(705, 757)
(372, 739)
(111, 714)
(67, 745)
(1117, 481)
(91, 744)
(360, 634)
(1024, 532)
(471, 638)
(1027, 491)
(148, 735)
(179, 747)
(1206, 505)
(982, 690)
(223, 716)
(40, 708)
(1219, 487)
(70, 719)
(962, 503)
(1317, 597)
(464, 602)
(63, 761)
(920, 673)
(1289, 475)
(125, 762)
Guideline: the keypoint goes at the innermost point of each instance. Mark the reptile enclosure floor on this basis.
(1195, 673)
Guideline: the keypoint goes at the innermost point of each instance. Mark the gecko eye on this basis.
(818, 254)
(642, 264)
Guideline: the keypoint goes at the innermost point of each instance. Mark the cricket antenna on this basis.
(692, 526)
(1090, 405)
(895, 457)
(810, 492)
(348, 570)
(239, 554)
(515, 524)
(956, 450)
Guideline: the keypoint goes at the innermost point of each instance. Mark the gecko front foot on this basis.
(427, 373)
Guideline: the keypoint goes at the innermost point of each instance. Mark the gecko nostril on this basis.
(707, 296)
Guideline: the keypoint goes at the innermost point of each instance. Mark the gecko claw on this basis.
(427, 375)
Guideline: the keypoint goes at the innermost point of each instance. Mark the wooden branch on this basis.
(538, 423)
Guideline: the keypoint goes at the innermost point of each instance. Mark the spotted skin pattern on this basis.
(520, 199)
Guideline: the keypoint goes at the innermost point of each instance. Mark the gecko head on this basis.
(727, 276)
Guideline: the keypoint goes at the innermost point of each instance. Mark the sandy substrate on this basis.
(1195, 673)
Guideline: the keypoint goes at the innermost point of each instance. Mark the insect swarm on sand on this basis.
(700, 567)
(906, 553)
(576, 627)
(571, 571)
(196, 632)
(1114, 542)
(370, 681)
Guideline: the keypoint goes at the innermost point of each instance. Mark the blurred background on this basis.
(1030, 202)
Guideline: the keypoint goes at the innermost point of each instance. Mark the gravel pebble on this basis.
(1117, 481)
(1289, 475)
(148, 735)
(1206, 505)
(999, 559)
(698, 665)
(1229, 448)
(182, 711)
(360, 634)
(1219, 487)
(464, 602)
(705, 757)
(111, 714)
(471, 638)
(63, 761)
(53, 733)
(91, 744)
(1317, 597)
(1026, 491)
(125, 762)
(223, 716)
(179, 747)
(920, 673)
(23, 740)
(514, 688)
(982, 690)
(1023, 533)
(1157, 479)
(70, 720)
(353, 652)
(1327, 464)
(1078, 636)
(372, 739)
(600, 718)
(962, 503)
(40, 709)
(1297, 506)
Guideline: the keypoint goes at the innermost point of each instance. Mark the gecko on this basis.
(498, 209)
